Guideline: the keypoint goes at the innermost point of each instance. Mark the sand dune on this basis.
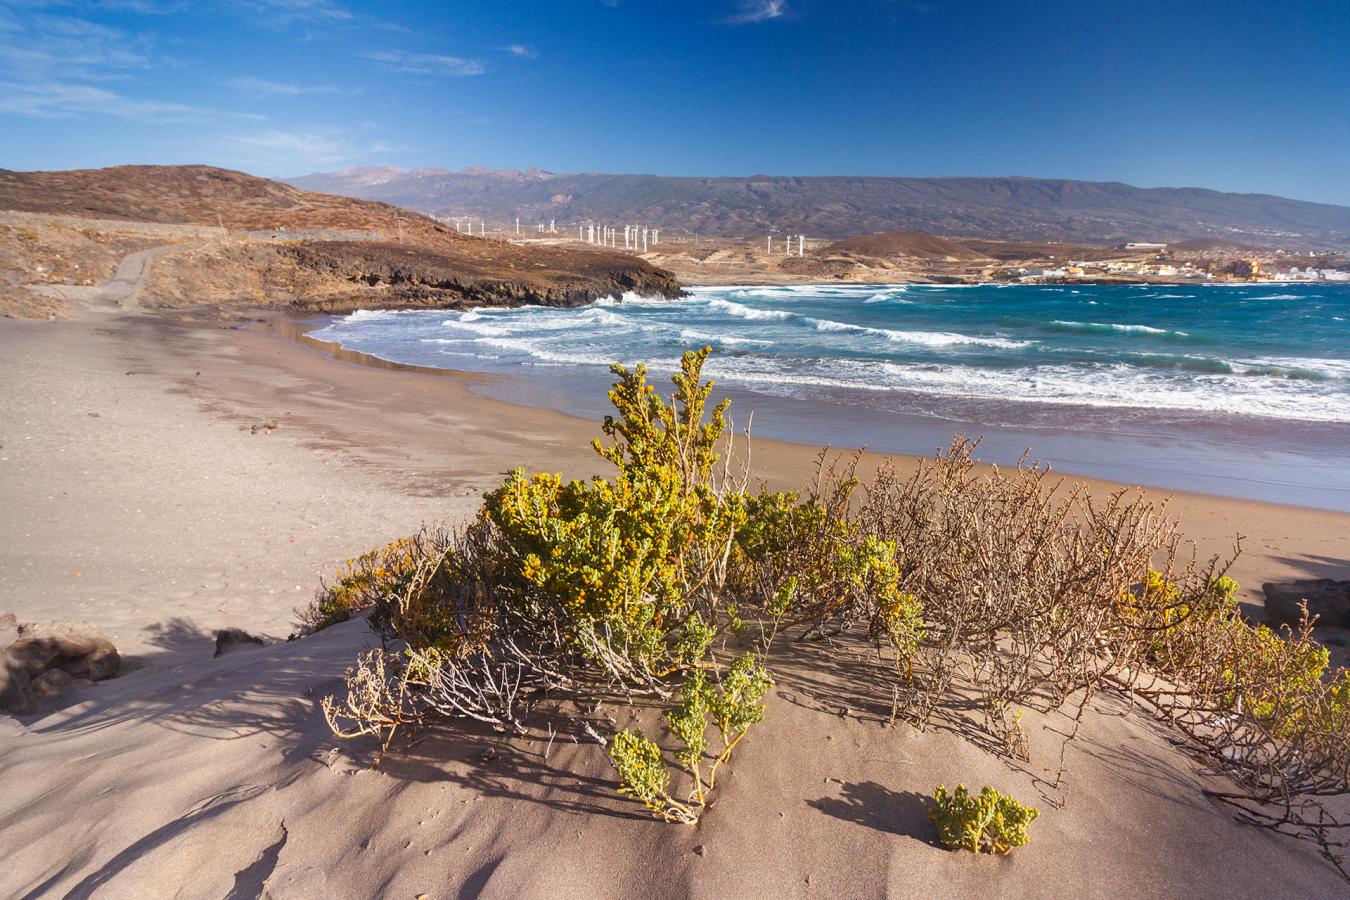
(199, 777)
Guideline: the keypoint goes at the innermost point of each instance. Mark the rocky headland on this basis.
(225, 239)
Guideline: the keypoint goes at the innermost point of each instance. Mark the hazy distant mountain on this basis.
(837, 207)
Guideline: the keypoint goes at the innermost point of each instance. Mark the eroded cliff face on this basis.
(478, 273)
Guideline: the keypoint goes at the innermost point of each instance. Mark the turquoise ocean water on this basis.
(1234, 389)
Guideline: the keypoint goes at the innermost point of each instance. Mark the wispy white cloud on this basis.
(137, 7)
(62, 66)
(428, 63)
(277, 150)
(524, 51)
(281, 13)
(58, 100)
(36, 46)
(268, 13)
(752, 11)
(263, 87)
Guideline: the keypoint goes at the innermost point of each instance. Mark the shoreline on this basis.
(1275, 535)
(1211, 452)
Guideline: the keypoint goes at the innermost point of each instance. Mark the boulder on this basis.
(34, 654)
(102, 663)
(78, 648)
(1328, 600)
(231, 639)
(9, 629)
(52, 683)
(16, 689)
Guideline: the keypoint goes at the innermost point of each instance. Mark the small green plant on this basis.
(731, 706)
(990, 821)
(643, 776)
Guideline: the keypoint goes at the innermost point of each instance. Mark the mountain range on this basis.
(1010, 208)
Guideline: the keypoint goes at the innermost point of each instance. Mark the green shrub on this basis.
(731, 707)
(991, 590)
(634, 564)
(608, 587)
(643, 776)
(365, 582)
(806, 563)
(991, 821)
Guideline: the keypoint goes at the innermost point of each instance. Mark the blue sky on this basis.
(1231, 95)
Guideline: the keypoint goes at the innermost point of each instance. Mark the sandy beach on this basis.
(145, 493)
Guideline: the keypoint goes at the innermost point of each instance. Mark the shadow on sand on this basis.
(876, 806)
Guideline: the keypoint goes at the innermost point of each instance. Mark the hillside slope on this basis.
(837, 207)
(264, 242)
(905, 244)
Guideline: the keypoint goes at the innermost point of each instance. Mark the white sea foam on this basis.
(690, 334)
(924, 338)
(890, 296)
(631, 298)
(951, 339)
(374, 315)
(1114, 326)
(830, 325)
(793, 347)
(746, 312)
(534, 351)
(1105, 387)
(476, 324)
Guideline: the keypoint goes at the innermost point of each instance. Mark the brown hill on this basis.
(352, 252)
(198, 195)
(1008, 251)
(1210, 245)
(917, 244)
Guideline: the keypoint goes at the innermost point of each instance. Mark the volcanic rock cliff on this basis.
(481, 272)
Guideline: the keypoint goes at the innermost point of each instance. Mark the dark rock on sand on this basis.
(78, 648)
(1328, 600)
(36, 656)
(231, 639)
(52, 683)
(16, 689)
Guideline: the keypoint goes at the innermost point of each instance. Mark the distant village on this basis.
(1159, 260)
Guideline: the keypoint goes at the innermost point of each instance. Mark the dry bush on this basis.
(1022, 580)
(380, 700)
(1005, 588)
(1037, 595)
(1263, 712)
